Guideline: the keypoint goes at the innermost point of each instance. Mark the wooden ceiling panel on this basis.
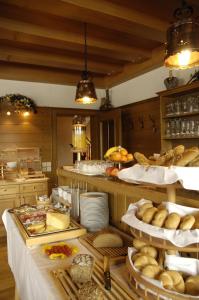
(125, 38)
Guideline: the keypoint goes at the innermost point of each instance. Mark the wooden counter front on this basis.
(121, 194)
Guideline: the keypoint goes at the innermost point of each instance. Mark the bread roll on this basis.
(178, 150)
(196, 224)
(149, 214)
(160, 217)
(138, 244)
(108, 239)
(141, 159)
(142, 209)
(172, 221)
(187, 222)
(192, 285)
(149, 250)
(135, 256)
(144, 260)
(172, 280)
(187, 157)
(151, 271)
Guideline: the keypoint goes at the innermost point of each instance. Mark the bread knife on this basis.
(107, 275)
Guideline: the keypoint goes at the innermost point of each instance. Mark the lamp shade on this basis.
(85, 93)
(182, 50)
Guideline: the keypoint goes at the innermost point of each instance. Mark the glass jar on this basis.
(79, 137)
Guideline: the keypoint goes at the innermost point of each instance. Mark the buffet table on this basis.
(32, 269)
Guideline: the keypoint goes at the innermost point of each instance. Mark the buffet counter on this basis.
(121, 194)
(32, 269)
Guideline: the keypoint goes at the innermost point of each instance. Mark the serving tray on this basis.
(70, 289)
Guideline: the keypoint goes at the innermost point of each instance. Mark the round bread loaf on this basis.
(172, 280)
(187, 222)
(144, 260)
(138, 244)
(151, 271)
(172, 221)
(142, 209)
(108, 239)
(192, 285)
(160, 217)
(149, 214)
(149, 250)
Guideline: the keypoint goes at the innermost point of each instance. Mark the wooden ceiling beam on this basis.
(102, 18)
(71, 37)
(42, 74)
(13, 54)
(131, 71)
(121, 12)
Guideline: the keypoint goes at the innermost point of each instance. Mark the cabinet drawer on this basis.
(33, 187)
(9, 189)
(8, 202)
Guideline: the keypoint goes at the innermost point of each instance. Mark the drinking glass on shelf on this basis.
(196, 104)
(173, 128)
(168, 129)
(177, 107)
(184, 105)
(196, 128)
(183, 127)
(192, 125)
(177, 127)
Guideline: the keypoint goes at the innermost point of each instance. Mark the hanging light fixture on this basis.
(182, 47)
(85, 93)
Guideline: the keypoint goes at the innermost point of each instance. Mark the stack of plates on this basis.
(94, 211)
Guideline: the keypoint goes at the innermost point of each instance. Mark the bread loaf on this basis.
(58, 220)
(149, 250)
(149, 214)
(108, 239)
(141, 159)
(138, 244)
(196, 224)
(172, 280)
(81, 268)
(142, 209)
(160, 217)
(172, 221)
(187, 222)
(151, 271)
(90, 291)
(144, 260)
(192, 285)
(187, 156)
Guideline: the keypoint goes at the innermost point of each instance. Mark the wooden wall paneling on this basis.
(141, 126)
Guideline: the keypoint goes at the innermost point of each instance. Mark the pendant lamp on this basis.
(182, 47)
(85, 92)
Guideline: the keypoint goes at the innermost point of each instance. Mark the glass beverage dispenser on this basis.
(79, 136)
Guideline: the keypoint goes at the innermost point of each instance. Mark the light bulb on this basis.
(8, 113)
(184, 57)
(86, 100)
(26, 113)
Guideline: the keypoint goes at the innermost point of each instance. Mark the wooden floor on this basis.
(6, 277)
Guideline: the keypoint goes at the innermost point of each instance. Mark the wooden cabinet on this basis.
(13, 195)
(180, 116)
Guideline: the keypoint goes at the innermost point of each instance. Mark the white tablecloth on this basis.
(30, 267)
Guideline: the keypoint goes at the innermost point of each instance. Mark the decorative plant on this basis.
(19, 102)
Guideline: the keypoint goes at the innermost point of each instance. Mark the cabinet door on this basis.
(30, 198)
(8, 202)
(9, 189)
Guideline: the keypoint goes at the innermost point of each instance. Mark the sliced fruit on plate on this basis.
(60, 250)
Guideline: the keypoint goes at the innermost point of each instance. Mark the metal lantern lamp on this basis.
(182, 47)
(85, 93)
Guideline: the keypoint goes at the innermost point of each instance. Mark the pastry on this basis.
(149, 214)
(108, 239)
(172, 221)
(192, 285)
(90, 291)
(141, 159)
(142, 209)
(187, 222)
(196, 224)
(144, 260)
(172, 280)
(151, 271)
(81, 268)
(138, 244)
(160, 217)
(149, 250)
(60, 221)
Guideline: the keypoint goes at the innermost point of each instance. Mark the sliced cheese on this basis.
(57, 220)
(108, 239)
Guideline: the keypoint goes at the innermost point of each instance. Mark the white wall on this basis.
(45, 94)
(145, 86)
(54, 95)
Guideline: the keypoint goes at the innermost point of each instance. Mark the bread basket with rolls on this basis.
(171, 279)
(178, 164)
(168, 226)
